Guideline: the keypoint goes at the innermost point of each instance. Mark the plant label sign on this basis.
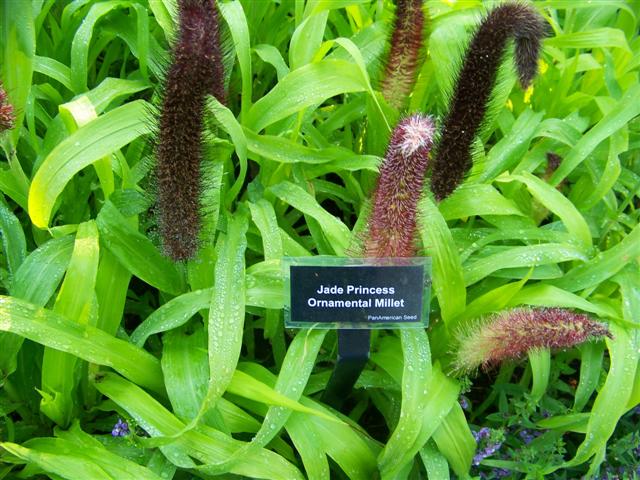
(365, 293)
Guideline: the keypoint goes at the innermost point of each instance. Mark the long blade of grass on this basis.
(603, 266)
(136, 252)
(84, 341)
(415, 376)
(626, 108)
(624, 351)
(528, 256)
(14, 243)
(35, 281)
(448, 280)
(205, 444)
(336, 232)
(552, 199)
(306, 86)
(97, 139)
(60, 370)
(226, 314)
(234, 15)
(455, 441)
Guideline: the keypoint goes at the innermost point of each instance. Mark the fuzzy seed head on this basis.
(7, 116)
(392, 223)
(404, 56)
(510, 335)
(195, 71)
(475, 83)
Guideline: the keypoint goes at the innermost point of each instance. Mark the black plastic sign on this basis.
(330, 292)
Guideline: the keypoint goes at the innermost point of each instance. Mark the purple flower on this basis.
(481, 434)
(464, 403)
(120, 429)
(529, 436)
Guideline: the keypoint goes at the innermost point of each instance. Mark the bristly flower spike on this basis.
(194, 72)
(392, 222)
(510, 335)
(7, 117)
(406, 44)
(475, 83)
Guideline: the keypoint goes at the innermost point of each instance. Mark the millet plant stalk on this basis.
(475, 83)
(392, 224)
(195, 71)
(405, 52)
(511, 334)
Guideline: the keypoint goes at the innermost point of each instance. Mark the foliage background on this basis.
(97, 324)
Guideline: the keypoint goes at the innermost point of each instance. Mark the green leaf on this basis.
(476, 199)
(506, 154)
(336, 232)
(448, 281)
(434, 462)
(35, 281)
(136, 252)
(185, 368)
(552, 199)
(86, 342)
(226, 314)
(282, 150)
(603, 266)
(540, 361)
(205, 444)
(306, 39)
(624, 351)
(76, 455)
(591, 355)
(82, 40)
(623, 111)
(596, 38)
(17, 49)
(172, 314)
(237, 21)
(527, 256)
(306, 86)
(233, 128)
(76, 302)
(14, 243)
(454, 440)
(99, 138)
(416, 374)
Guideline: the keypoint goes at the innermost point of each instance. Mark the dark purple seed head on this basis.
(406, 45)
(195, 71)
(475, 83)
(392, 223)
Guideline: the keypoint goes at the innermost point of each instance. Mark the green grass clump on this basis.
(117, 362)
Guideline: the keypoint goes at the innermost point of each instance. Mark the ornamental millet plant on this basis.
(511, 334)
(405, 52)
(392, 222)
(475, 83)
(195, 71)
(7, 117)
